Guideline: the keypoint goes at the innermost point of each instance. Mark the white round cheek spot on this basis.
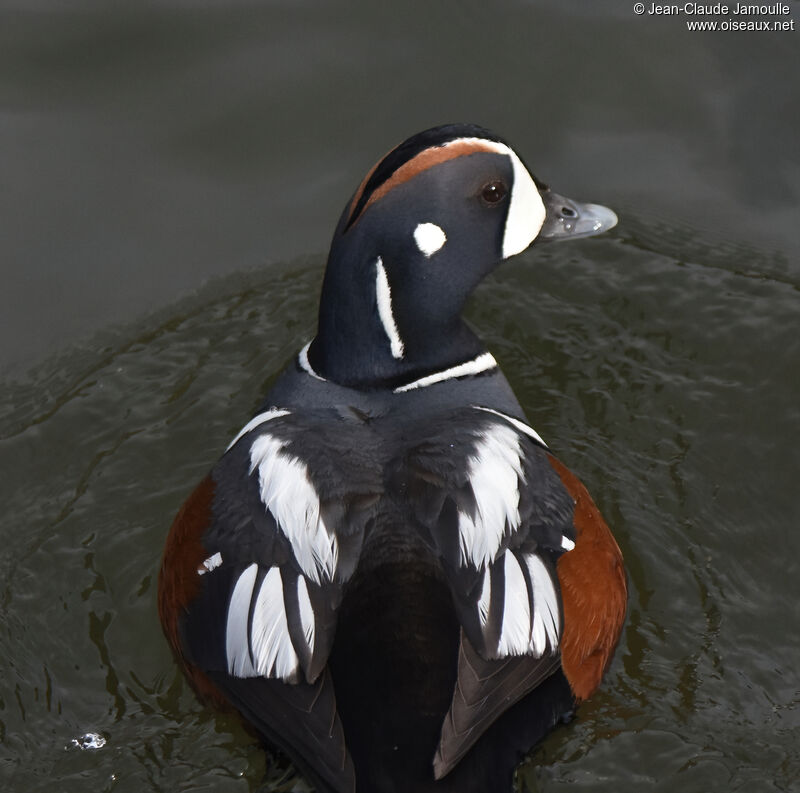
(429, 238)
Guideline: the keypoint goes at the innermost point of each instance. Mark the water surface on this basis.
(151, 150)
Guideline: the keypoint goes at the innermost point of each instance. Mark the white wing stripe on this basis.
(486, 596)
(545, 601)
(516, 631)
(307, 621)
(273, 653)
(237, 647)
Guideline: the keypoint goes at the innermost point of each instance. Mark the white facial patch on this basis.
(383, 293)
(429, 238)
(494, 471)
(286, 491)
(526, 211)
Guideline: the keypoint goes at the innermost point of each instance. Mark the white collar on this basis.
(482, 363)
(305, 364)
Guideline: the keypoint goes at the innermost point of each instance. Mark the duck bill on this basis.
(566, 219)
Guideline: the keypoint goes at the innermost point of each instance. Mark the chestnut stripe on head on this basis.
(416, 165)
(526, 211)
(433, 138)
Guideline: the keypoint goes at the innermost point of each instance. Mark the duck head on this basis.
(426, 225)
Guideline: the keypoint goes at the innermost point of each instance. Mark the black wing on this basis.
(295, 494)
(481, 490)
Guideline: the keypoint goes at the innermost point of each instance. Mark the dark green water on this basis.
(666, 383)
(661, 362)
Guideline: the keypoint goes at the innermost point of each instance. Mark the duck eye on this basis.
(494, 192)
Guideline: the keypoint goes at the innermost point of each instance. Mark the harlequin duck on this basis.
(387, 573)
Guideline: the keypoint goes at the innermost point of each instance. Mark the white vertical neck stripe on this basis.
(384, 295)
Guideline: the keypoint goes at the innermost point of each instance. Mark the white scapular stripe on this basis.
(307, 620)
(273, 653)
(237, 646)
(288, 494)
(305, 364)
(515, 636)
(268, 415)
(383, 293)
(494, 471)
(520, 425)
(477, 365)
(566, 543)
(545, 624)
(212, 563)
(429, 238)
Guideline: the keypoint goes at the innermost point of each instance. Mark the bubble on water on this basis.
(92, 740)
